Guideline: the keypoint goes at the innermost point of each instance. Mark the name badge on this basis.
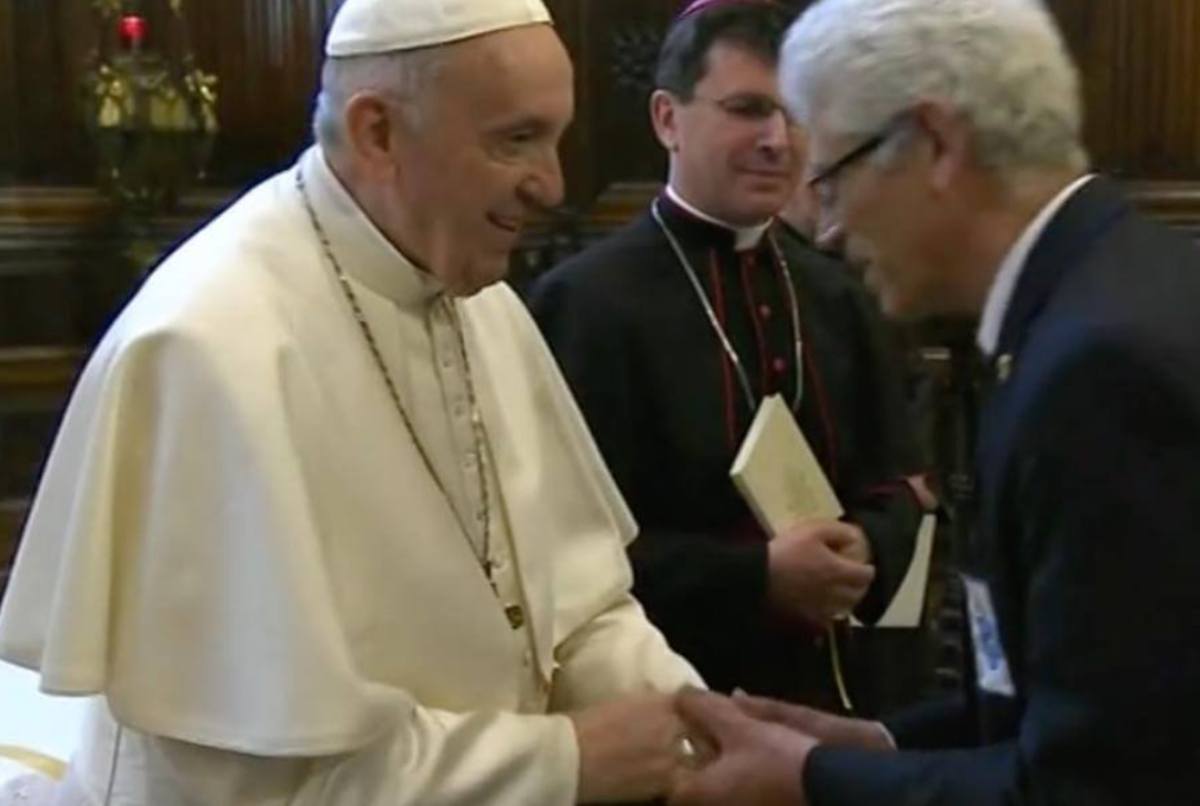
(991, 666)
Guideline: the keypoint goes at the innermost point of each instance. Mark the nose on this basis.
(543, 186)
(778, 133)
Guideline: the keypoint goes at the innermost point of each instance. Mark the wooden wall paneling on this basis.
(578, 143)
(12, 517)
(9, 142)
(34, 384)
(1174, 203)
(1140, 61)
(48, 242)
(33, 388)
(1140, 66)
(49, 43)
(66, 264)
(617, 46)
(267, 55)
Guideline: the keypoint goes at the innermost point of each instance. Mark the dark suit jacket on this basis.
(651, 378)
(1088, 537)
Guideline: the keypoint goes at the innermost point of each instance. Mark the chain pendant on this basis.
(483, 558)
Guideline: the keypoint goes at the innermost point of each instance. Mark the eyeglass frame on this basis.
(827, 177)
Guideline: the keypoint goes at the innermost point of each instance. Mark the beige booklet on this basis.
(777, 473)
(779, 476)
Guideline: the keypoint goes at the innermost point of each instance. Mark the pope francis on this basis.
(322, 524)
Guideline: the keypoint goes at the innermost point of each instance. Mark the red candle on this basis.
(133, 30)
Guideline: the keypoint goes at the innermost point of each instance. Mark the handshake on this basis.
(697, 748)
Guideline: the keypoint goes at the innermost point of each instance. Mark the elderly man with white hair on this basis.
(945, 144)
(322, 524)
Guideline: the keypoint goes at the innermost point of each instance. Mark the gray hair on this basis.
(1002, 64)
(403, 76)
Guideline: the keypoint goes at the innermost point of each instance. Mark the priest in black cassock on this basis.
(672, 331)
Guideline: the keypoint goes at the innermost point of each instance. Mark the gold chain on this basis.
(477, 429)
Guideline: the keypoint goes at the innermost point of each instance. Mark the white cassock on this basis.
(237, 543)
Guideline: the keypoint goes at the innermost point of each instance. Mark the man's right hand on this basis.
(629, 749)
(760, 763)
(812, 573)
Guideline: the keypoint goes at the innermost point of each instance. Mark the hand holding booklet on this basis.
(778, 474)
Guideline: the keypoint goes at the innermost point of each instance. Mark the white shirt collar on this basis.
(362, 250)
(1004, 284)
(744, 237)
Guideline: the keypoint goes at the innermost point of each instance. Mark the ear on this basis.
(371, 133)
(949, 138)
(663, 111)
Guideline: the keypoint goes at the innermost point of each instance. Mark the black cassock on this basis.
(668, 410)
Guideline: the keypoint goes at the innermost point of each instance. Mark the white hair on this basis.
(1002, 64)
(403, 76)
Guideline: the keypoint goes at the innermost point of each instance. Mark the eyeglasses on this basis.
(824, 181)
(748, 107)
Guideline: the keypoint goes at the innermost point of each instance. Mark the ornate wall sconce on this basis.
(151, 112)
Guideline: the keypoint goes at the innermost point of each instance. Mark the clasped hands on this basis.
(701, 748)
(697, 748)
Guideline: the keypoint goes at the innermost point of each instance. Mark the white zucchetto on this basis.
(363, 27)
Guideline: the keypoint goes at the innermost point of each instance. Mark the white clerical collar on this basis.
(363, 252)
(743, 237)
(1004, 284)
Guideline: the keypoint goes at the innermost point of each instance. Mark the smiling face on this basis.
(734, 153)
(486, 157)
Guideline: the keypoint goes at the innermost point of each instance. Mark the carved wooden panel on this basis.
(264, 52)
(614, 44)
(1141, 69)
